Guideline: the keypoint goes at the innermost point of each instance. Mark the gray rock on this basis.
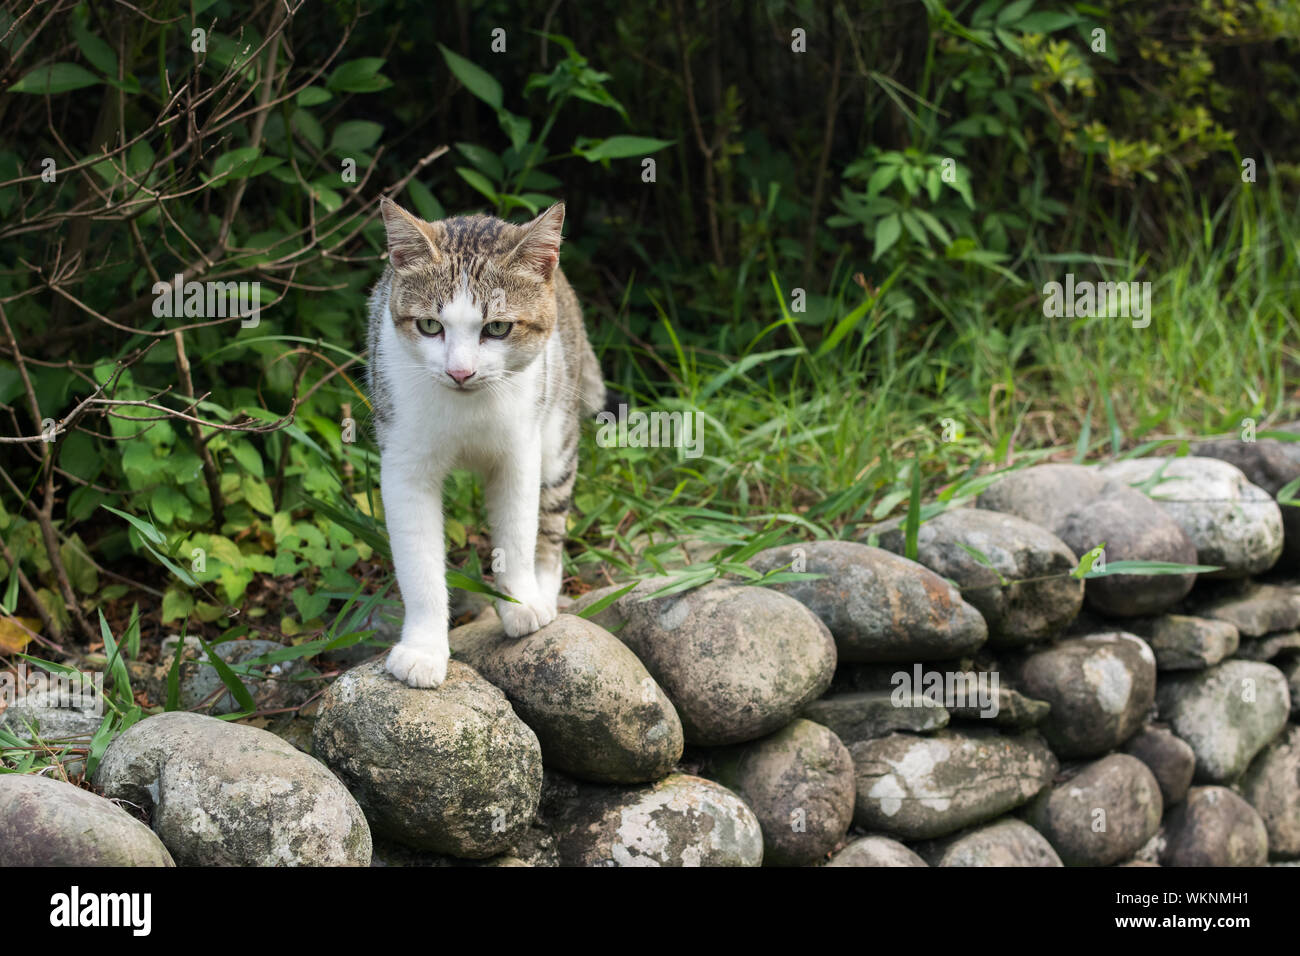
(1214, 827)
(1101, 815)
(46, 822)
(1039, 599)
(1084, 510)
(1043, 494)
(1272, 786)
(1186, 643)
(1014, 710)
(596, 711)
(1290, 668)
(921, 787)
(225, 794)
(452, 769)
(1261, 610)
(51, 716)
(201, 685)
(681, 820)
(1268, 647)
(1100, 688)
(1171, 760)
(536, 849)
(737, 662)
(799, 783)
(878, 606)
(1233, 524)
(876, 850)
(1226, 714)
(862, 715)
(1270, 464)
(1005, 842)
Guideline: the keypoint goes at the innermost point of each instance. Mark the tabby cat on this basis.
(478, 359)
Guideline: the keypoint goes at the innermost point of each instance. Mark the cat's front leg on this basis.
(412, 497)
(513, 488)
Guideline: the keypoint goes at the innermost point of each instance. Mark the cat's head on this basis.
(472, 298)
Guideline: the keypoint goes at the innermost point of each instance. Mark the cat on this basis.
(478, 359)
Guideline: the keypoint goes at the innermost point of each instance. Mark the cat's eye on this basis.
(429, 326)
(497, 330)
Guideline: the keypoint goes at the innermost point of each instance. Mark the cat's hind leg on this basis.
(554, 502)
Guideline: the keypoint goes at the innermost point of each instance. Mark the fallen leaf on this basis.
(13, 633)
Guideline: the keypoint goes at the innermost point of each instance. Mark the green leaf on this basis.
(55, 78)
(355, 136)
(359, 76)
(176, 605)
(97, 53)
(116, 664)
(912, 525)
(1150, 567)
(517, 128)
(235, 164)
(174, 677)
(1286, 495)
(888, 229)
(459, 579)
(478, 181)
(983, 559)
(426, 204)
(595, 607)
(233, 683)
(475, 79)
(248, 457)
(146, 529)
(622, 147)
(310, 606)
(258, 494)
(484, 160)
(314, 96)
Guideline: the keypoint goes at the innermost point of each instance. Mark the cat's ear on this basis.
(408, 244)
(539, 250)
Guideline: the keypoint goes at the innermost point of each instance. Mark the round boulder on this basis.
(1103, 814)
(921, 787)
(1272, 786)
(878, 606)
(1214, 827)
(799, 783)
(1005, 842)
(224, 794)
(1100, 688)
(1171, 760)
(738, 662)
(448, 769)
(1027, 595)
(596, 711)
(1234, 525)
(46, 822)
(876, 850)
(681, 820)
(1085, 509)
(1227, 714)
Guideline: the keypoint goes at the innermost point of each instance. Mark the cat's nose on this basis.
(460, 376)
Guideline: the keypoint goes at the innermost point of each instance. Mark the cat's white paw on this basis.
(418, 666)
(526, 616)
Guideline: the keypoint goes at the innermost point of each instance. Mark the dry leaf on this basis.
(13, 633)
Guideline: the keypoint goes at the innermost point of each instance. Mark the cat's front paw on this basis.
(418, 666)
(525, 617)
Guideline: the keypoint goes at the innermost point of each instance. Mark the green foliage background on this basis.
(800, 271)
